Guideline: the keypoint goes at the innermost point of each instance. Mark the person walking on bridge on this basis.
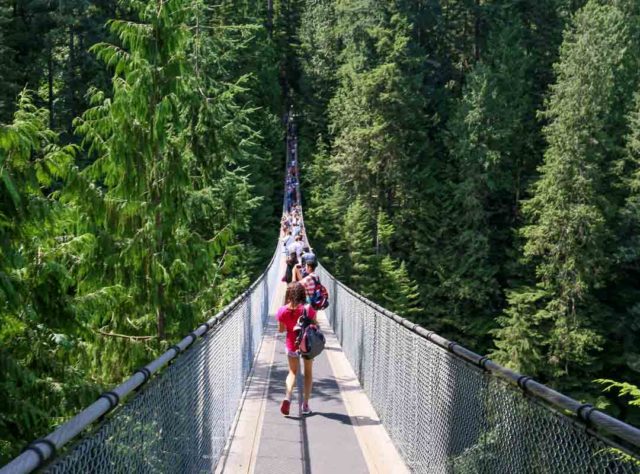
(295, 248)
(287, 240)
(287, 317)
(311, 279)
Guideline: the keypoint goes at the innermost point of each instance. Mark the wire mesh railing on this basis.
(450, 410)
(178, 421)
(446, 408)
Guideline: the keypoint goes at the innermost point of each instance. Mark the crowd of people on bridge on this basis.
(291, 184)
(303, 285)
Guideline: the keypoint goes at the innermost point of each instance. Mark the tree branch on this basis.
(124, 336)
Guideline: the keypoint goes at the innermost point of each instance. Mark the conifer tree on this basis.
(492, 132)
(397, 291)
(359, 248)
(255, 61)
(46, 50)
(623, 332)
(7, 67)
(557, 325)
(376, 111)
(157, 224)
(169, 194)
(38, 350)
(324, 217)
(319, 56)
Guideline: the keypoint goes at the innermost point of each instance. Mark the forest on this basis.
(473, 165)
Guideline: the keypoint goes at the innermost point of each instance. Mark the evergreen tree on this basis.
(7, 68)
(255, 64)
(623, 337)
(376, 111)
(422, 151)
(54, 62)
(319, 55)
(397, 291)
(492, 136)
(169, 193)
(38, 350)
(558, 324)
(324, 217)
(360, 259)
(99, 262)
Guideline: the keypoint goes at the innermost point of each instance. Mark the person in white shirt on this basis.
(287, 240)
(296, 248)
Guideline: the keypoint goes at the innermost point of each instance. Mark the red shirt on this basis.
(289, 317)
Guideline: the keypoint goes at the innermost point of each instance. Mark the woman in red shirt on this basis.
(287, 317)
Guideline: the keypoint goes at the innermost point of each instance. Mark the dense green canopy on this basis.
(471, 164)
(131, 213)
(486, 150)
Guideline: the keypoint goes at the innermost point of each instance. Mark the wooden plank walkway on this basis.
(343, 435)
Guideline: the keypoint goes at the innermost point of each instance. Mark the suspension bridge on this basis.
(388, 396)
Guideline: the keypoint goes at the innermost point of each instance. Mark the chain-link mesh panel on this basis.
(446, 415)
(180, 421)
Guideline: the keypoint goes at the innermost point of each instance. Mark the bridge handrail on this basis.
(595, 422)
(584, 413)
(41, 450)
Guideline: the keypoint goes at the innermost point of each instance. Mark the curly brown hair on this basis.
(295, 294)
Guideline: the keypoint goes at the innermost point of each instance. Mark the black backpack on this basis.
(310, 339)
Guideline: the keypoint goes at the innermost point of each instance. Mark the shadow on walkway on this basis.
(345, 419)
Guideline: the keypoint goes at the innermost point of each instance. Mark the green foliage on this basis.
(451, 172)
(29, 163)
(38, 359)
(7, 67)
(572, 211)
(437, 139)
(319, 60)
(359, 247)
(254, 57)
(364, 108)
(111, 250)
(624, 389)
(45, 48)
(397, 291)
(325, 216)
(167, 189)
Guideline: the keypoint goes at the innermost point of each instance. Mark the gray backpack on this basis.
(311, 341)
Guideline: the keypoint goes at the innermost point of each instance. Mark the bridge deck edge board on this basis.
(240, 454)
(380, 454)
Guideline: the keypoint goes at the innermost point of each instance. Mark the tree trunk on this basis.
(160, 313)
(71, 83)
(50, 72)
(270, 17)
(476, 32)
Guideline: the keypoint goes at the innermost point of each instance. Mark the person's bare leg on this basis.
(308, 379)
(294, 364)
